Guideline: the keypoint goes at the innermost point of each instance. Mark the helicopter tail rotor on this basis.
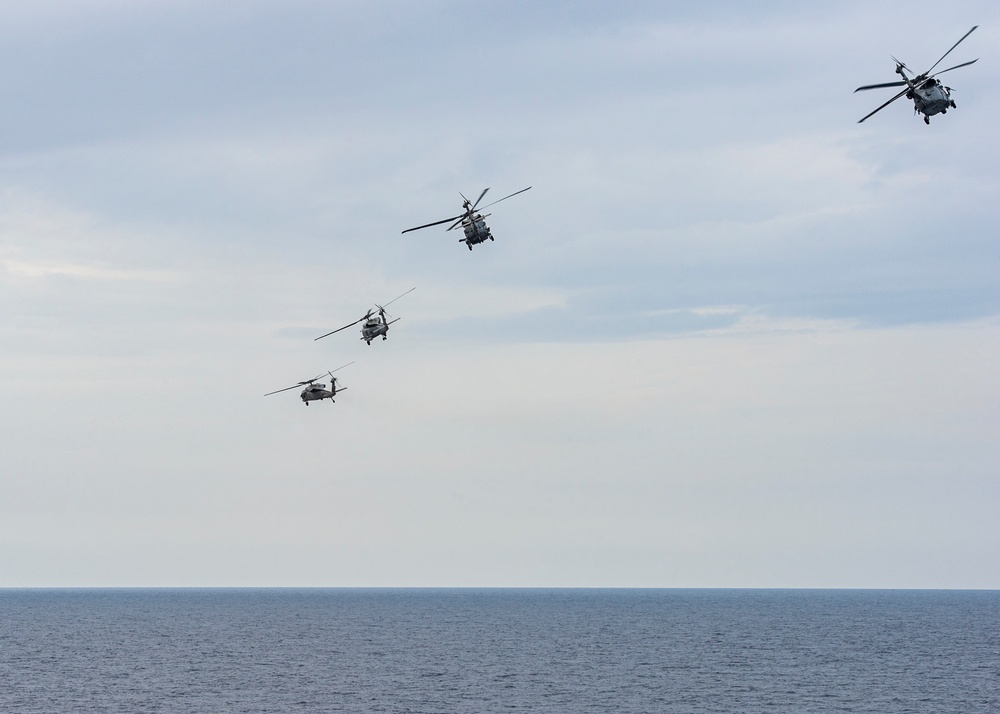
(334, 383)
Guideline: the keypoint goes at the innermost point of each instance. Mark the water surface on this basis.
(491, 650)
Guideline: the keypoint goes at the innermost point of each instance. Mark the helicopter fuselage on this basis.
(929, 97)
(372, 329)
(376, 326)
(315, 393)
(476, 230)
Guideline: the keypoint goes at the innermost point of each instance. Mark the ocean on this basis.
(498, 650)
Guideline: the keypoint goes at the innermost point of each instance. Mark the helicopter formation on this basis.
(930, 97)
(375, 323)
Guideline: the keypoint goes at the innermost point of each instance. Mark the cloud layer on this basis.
(729, 338)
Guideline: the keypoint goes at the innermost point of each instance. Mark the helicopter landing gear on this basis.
(384, 338)
(491, 236)
(927, 119)
(953, 104)
(470, 245)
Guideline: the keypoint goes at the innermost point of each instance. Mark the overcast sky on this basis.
(730, 338)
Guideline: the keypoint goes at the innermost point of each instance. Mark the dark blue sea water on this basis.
(357, 650)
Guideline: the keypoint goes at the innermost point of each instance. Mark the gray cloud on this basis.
(723, 313)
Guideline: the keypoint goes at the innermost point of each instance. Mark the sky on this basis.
(729, 338)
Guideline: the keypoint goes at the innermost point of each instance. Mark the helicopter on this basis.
(375, 325)
(314, 389)
(929, 96)
(472, 222)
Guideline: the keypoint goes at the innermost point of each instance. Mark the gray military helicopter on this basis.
(314, 389)
(472, 222)
(375, 325)
(929, 96)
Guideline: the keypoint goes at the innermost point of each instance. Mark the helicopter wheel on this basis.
(953, 106)
(491, 237)
(944, 111)
(927, 120)
(470, 246)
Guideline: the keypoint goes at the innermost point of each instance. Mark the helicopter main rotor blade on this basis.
(949, 51)
(382, 307)
(343, 328)
(480, 198)
(964, 64)
(340, 368)
(884, 105)
(881, 86)
(457, 223)
(435, 223)
(503, 199)
(295, 386)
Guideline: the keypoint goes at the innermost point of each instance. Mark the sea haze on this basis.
(472, 650)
